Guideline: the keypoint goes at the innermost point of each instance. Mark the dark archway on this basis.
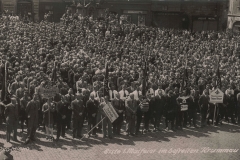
(236, 27)
(25, 10)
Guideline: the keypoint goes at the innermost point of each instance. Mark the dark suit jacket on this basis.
(92, 107)
(77, 107)
(11, 113)
(61, 110)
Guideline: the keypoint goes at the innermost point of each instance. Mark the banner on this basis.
(49, 91)
(106, 88)
(216, 96)
(110, 112)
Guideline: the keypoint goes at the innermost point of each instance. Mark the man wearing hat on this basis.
(11, 114)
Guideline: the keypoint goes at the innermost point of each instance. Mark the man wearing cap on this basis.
(32, 110)
(11, 114)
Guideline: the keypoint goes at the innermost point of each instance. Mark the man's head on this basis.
(79, 96)
(35, 97)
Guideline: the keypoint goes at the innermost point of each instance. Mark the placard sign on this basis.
(49, 91)
(110, 112)
(184, 107)
(216, 96)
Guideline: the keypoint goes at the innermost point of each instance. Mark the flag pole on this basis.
(216, 105)
(93, 128)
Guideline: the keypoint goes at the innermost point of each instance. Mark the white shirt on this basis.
(151, 92)
(121, 93)
(157, 91)
(231, 91)
(114, 94)
(136, 93)
(96, 95)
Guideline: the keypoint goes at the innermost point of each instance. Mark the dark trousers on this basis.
(177, 118)
(156, 119)
(23, 117)
(238, 114)
(77, 126)
(183, 118)
(169, 117)
(139, 120)
(12, 126)
(130, 126)
(31, 131)
(68, 118)
(61, 126)
(203, 117)
(40, 118)
(117, 124)
(230, 113)
(147, 117)
(192, 116)
(92, 121)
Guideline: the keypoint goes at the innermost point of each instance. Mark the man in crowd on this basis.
(78, 108)
(32, 113)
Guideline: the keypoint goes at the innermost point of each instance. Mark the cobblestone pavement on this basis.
(150, 146)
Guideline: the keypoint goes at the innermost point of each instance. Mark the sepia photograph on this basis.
(119, 79)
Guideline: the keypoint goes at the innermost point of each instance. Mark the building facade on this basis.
(196, 15)
(234, 15)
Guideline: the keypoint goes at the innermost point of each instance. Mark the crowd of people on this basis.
(73, 54)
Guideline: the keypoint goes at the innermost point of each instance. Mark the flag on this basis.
(5, 94)
(106, 88)
(218, 81)
(54, 74)
(185, 79)
(144, 79)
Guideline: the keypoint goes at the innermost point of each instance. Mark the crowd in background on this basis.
(73, 53)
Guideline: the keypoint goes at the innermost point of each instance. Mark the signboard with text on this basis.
(110, 112)
(49, 91)
(216, 96)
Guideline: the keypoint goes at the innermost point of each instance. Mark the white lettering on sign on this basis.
(216, 96)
